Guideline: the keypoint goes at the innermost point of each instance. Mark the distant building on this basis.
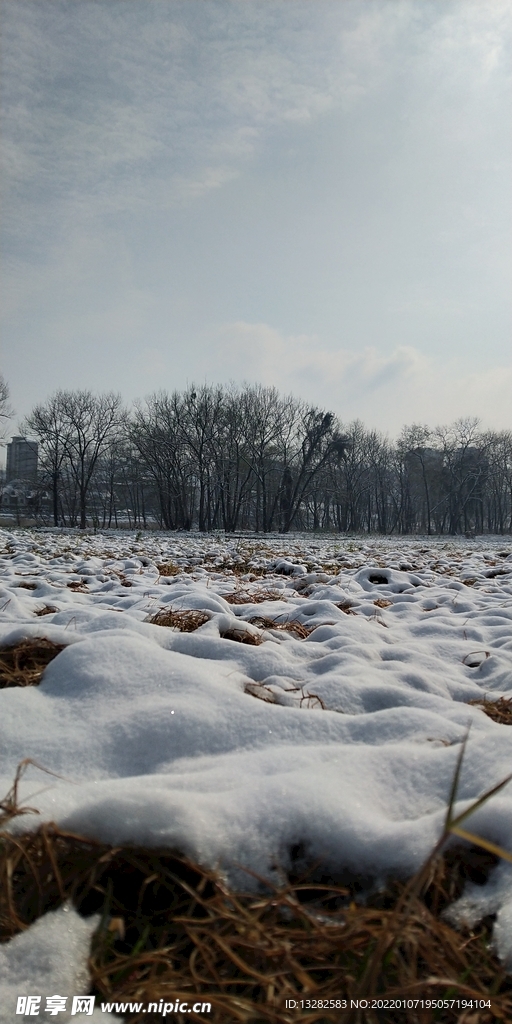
(21, 460)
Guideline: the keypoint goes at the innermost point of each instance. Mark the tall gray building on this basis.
(21, 460)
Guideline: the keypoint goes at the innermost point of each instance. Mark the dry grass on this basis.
(347, 607)
(246, 569)
(242, 636)
(188, 621)
(292, 626)
(168, 569)
(185, 621)
(48, 609)
(381, 602)
(170, 928)
(499, 710)
(23, 663)
(304, 698)
(261, 692)
(257, 597)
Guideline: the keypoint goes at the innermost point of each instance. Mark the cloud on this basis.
(121, 104)
(112, 107)
(385, 389)
(368, 141)
(268, 354)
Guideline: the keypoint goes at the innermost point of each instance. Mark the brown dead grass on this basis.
(261, 692)
(170, 929)
(23, 663)
(48, 609)
(242, 636)
(246, 569)
(257, 597)
(293, 626)
(347, 607)
(381, 602)
(185, 621)
(304, 698)
(499, 710)
(168, 569)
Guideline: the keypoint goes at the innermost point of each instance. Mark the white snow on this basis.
(160, 736)
(49, 958)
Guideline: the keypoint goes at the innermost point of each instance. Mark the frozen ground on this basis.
(338, 744)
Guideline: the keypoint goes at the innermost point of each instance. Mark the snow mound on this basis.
(237, 744)
(49, 958)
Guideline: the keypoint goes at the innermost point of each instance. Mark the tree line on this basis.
(250, 459)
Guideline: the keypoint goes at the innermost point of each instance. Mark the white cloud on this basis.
(119, 104)
(384, 389)
(129, 103)
(372, 164)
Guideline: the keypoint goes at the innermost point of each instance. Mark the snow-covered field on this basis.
(337, 744)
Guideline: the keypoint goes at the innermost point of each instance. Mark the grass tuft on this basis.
(292, 626)
(257, 597)
(23, 663)
(347, 607)
(171, 928)
(247, 569)
(499, 710)
(168, 569)
(185, 621)
(242, 636)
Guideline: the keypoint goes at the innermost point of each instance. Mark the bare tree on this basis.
(74, 429)
(249, 458)
(464, 469)
(317, 440)
(422, 463)
(157, 434)
(48, 423)
(6, 410)
(498, 492)
(199, 426)
(353, 479)
(93, 424)
(270, 421)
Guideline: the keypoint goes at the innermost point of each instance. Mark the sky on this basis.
(311, 194)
